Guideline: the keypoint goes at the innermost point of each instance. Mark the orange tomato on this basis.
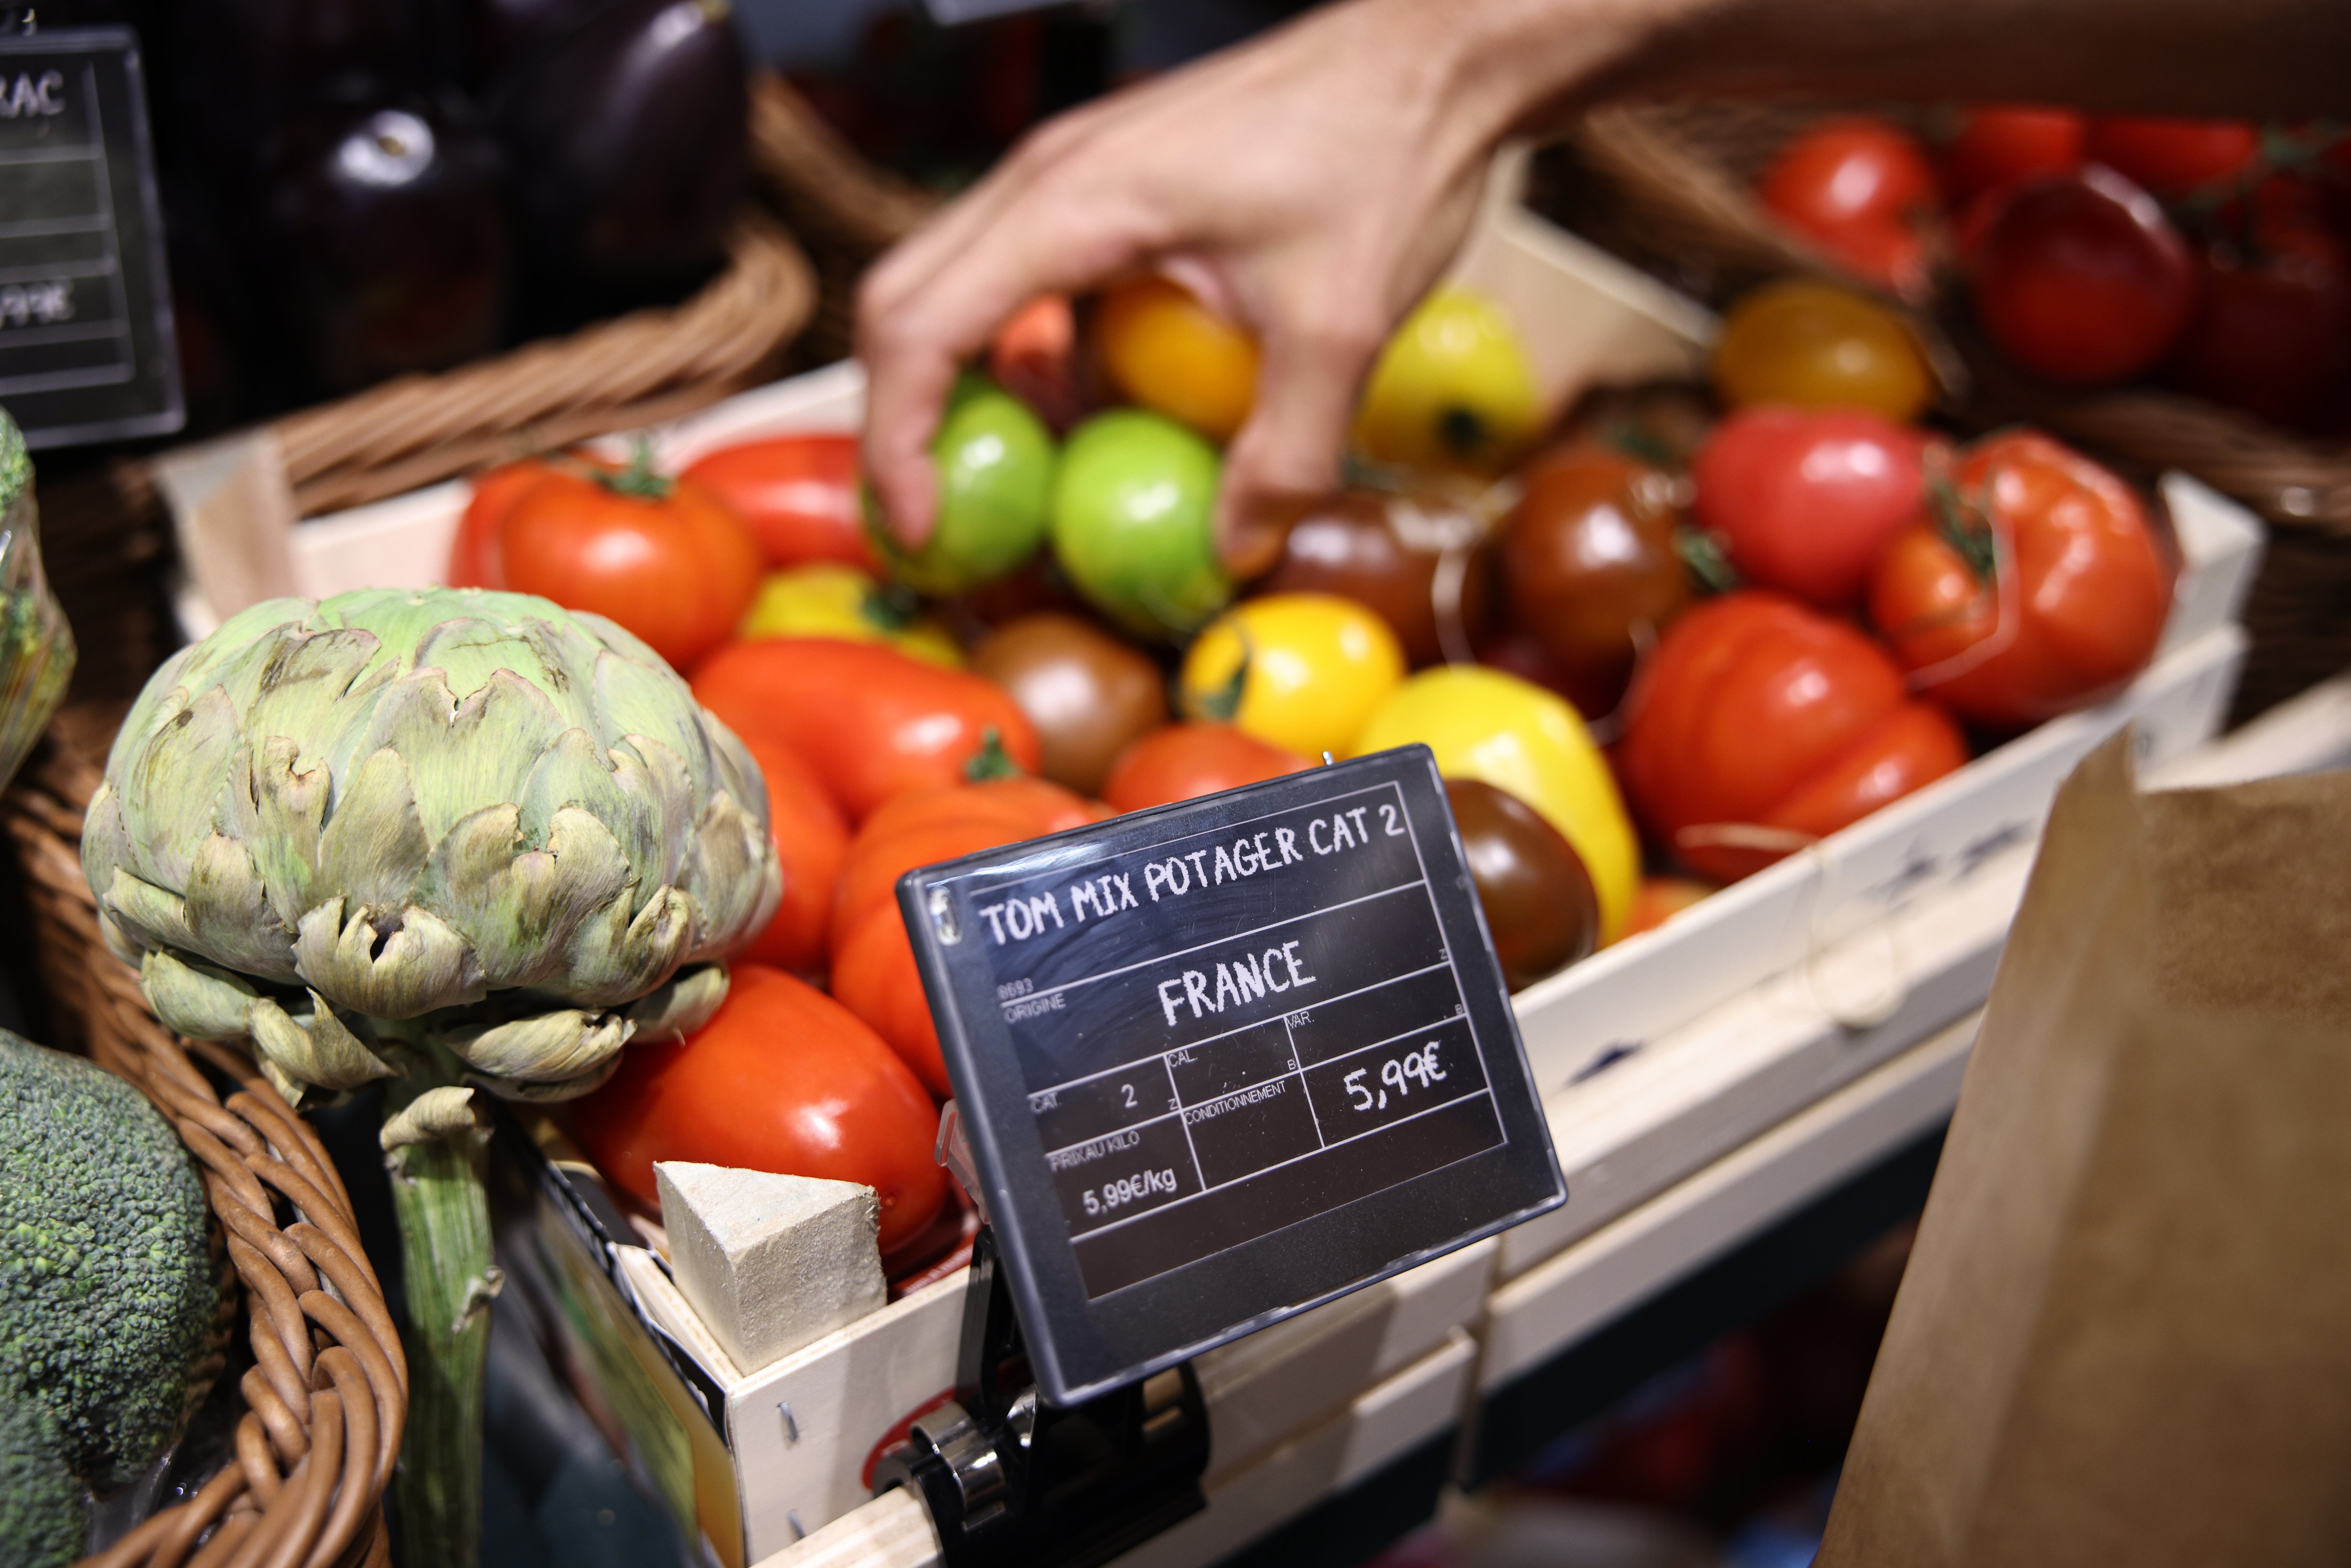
(662, 557)
(871, 722)
(1172, 354)
(811, 839)
(1817, 346)
(781, 1078)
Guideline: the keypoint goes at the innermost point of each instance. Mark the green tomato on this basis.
(995, 461)
(1134, 508)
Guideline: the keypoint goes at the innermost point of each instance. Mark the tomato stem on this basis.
(890, 607)
(1702, 552)
(639, 479)
(1965, 526)
(992, 760)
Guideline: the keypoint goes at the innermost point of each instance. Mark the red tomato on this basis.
(2272, 336)
(2082, 280)
(799, 495)
(662, 557)
(2002, 143)
(2039, 590)
(1756, 713)
(1856, 185)
(1184, 761)
(473, 554)
(2172, 158)
(873, 973)
(1804, 501)
(811, 844)
(871, 722)
(782, 1078)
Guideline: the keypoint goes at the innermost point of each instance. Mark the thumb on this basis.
(1288, 453)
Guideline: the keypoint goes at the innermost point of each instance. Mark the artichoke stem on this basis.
(443, 1205)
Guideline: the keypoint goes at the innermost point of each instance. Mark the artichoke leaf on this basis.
(172, 783)
(441, 1112)
(620, 640)
(575, 772)
(317, 1051)
(196, 999)
(119, 941)
(733, 876)
(276, 810)
(548, 1047)
(164, 691)
(105, 847)
(229, 914)
(640, 700)
(682, 1005)
(374, 847)
(465, 753)
(738, 773)
(522, 905)
(472, 649)
(549, 1093)
(303, 692)
(670, 786)
(616, 959)
(151, 916)
(388, 963)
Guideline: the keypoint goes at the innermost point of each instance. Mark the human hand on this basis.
(1308, 186)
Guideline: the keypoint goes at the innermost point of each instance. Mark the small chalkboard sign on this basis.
(1222, 1061)
(85, 343)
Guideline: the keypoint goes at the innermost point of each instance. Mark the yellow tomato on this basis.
(1452, 392)
(1483, 723)
(1174, 356)
(1816, 346)
(1301, 671)
(829, 600)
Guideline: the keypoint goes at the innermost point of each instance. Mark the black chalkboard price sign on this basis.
(86, 342)
(1222, 1061)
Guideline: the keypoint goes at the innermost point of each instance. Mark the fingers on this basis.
(1311, 367)
(935, 300)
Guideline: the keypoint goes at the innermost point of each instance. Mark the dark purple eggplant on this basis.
(501, 37)
(248, 72)
(628, 142)
(390, 223)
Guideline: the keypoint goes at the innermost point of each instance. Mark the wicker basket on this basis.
(327, 1397)
(1669, 186)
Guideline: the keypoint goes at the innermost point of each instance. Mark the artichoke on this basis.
(453, 815)
(448, 837)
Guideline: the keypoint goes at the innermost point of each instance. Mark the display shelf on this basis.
(1594, 1308)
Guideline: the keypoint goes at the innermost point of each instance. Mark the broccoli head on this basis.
(107, 1280)
(43, 1520)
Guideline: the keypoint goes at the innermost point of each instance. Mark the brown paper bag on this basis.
(2125, 1336)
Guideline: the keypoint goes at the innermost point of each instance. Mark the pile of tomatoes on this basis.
(1681, 634)
(2100, 249)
